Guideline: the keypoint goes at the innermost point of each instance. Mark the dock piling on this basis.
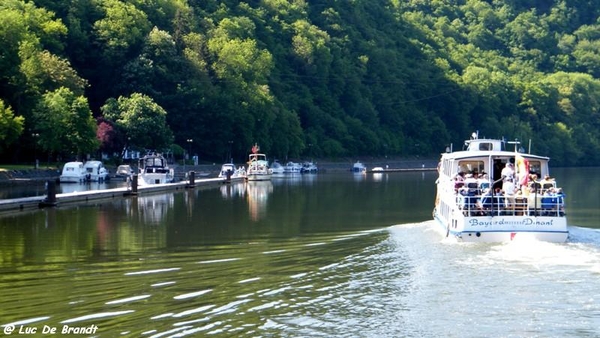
(191, 179)
(133, 187)
(50, 200)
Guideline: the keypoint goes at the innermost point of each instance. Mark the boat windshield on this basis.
(153, 162)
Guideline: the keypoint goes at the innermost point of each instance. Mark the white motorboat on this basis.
(124, 171)
(358, 167)
(309, 168)
(72, 172)
(234, 172)
(154, 169)
(95, 171)
(258, 166)
(292, 168)
(277, 168)
(489, 194)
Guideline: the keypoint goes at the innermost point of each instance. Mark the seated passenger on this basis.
(483, 181)
(459, 180)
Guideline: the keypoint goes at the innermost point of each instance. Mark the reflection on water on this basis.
(235, 189)
(316, 257)
(378, 177)
(258, 194)
(358, 177)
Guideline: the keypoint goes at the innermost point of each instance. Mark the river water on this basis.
(326, 255)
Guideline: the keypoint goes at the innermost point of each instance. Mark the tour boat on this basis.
(488, 193)
(153, 169)
(258, 166)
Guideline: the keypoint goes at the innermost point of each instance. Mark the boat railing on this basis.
(474, 203)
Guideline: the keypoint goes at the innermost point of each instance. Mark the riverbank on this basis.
(27, 176)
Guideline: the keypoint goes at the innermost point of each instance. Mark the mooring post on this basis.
(50, 200)
(192, 179)
(229, 173)
(134, 181)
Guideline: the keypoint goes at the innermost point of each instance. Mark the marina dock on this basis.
(82, 197)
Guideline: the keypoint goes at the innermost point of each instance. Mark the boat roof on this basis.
(479, 154)
(477, 148)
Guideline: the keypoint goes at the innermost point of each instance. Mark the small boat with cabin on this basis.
(292, 168)
(359, 168)
(487, 193)
(95, 171)
(228, 170)
(277, 168)
(154, 169)
(258, 166)
(309, 168)
(72, 172)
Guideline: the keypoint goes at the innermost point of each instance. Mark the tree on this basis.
(11, 126)
(65, 124)
(144, 123)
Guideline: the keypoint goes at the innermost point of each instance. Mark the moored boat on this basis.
(277, 168)
(72, 172)
(95, 171)
(487, 193)
(228, 170)
(359, 168)
(258, 166)
(309, 168)
(292, 168)
(154, 169)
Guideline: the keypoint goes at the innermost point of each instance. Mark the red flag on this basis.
(523, 170)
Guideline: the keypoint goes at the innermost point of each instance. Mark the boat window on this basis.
(471, 166)
(535, 167)
(486, 146)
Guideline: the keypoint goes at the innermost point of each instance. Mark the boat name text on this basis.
(504, 222)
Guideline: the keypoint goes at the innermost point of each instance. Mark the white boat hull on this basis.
(149, 179)
(503, 228)
(71, 179)
(258, 177)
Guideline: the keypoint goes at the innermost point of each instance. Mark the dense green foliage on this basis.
(303, 78)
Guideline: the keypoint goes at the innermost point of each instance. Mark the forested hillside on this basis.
(300, 78)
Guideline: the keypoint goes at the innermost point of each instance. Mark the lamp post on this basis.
(189, 142)
(35, 138)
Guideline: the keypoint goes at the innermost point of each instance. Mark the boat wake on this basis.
(581, 251)
(537, 288)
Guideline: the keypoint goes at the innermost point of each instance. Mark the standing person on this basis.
(508, 171)
(509, 193)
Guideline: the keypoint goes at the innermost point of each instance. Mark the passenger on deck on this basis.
(534, 185)
(471, 182)
(459, 180)
(509, 193)
(483, 181)
(508, 171)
